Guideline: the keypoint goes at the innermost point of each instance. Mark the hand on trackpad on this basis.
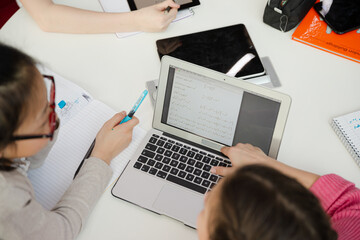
(179, 203)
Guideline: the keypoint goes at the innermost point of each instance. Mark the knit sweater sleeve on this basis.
(341, 201)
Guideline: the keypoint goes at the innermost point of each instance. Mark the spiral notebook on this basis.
(347, 127)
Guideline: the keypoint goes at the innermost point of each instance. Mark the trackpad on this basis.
(179, 204)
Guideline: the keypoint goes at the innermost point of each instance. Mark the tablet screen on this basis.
(218, 49)
(137, 4)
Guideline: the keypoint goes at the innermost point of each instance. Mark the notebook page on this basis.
(51, 180)
(349, 124)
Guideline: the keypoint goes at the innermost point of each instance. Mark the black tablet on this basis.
(137, 4)
(219, 49)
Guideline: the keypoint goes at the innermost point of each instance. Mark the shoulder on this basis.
(15, 192)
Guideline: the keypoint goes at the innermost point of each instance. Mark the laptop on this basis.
(197, 112)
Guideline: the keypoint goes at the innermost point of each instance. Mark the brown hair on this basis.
(260, 203)
(17, 74)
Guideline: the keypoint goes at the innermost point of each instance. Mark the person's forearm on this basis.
(59, 18)
(305, 178)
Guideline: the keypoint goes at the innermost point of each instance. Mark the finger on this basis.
(168, 3)
(225, 150)
(223, 171)
(115, 119)
(129, 124)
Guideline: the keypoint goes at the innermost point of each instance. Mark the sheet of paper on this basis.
(123, 6)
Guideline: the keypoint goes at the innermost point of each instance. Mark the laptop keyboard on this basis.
(180, 163)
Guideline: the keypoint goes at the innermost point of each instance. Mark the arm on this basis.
(59, 18)
(246, 154)
(19, 208)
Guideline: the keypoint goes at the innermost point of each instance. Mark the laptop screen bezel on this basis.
(167, 62)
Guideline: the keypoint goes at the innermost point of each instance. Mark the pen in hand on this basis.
(167, 10)
(135, 107)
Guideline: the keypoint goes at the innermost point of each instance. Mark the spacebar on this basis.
(186, 184)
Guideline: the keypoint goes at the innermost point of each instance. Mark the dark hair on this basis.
(17, 74)
(260, 203)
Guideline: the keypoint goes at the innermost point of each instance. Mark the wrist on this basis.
(101, 156)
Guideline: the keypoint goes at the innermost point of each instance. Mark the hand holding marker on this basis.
(167, 10)
(135, 107)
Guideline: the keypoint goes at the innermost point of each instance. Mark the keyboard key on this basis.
(182, 174)
(160, 143)
(186, 184)
(222, 164)
(171, 141)
(187, 147)
(145, 168)
(214, 162)
(212, 185)
(207, 168)
(142, 159)
(198, 157)
(189, 177)
(189, 169)
(181, 166)
(199, 164)
(163, 138)
(197, 180)
(166, 168)
(155, 136)
(168, 145)
(158, 165)
(191, 162)
(183, 151)
(210, 155)
(227, 161)
(166, 160)
(152, 171)
(161, 174)
(194, 149)
(151, 162)
(205, 183)
(175, 156)
(168, 153)
(147, 153)
(205, 175)
(197, 172)
(190, 154)
(160, 150)
(175, 148)
(219, 158)
(150, 147)
(183, 159)
(174, 171)
(203, 153)
(153, 140)
(158, 157)
(179, 144)
(206, 159)
(137, 165)
(213, 178)
(174, 163)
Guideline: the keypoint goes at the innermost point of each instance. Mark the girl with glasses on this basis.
(28, 129)
(263, 199)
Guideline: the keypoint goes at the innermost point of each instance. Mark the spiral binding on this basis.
(347, 142)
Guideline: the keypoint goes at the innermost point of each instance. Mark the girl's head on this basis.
(24, 108)
(257, 202)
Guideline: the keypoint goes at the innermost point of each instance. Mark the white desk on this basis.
(114, 70)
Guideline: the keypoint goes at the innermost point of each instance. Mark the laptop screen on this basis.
(218, 111)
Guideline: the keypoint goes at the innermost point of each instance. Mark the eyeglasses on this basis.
(52, 116)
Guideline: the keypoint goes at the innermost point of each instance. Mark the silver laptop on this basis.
(197, 112)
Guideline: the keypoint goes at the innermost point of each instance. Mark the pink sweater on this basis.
(341, 200)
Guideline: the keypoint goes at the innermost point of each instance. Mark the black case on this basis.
(284, 15)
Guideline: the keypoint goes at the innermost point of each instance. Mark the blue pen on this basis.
(135, 107)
